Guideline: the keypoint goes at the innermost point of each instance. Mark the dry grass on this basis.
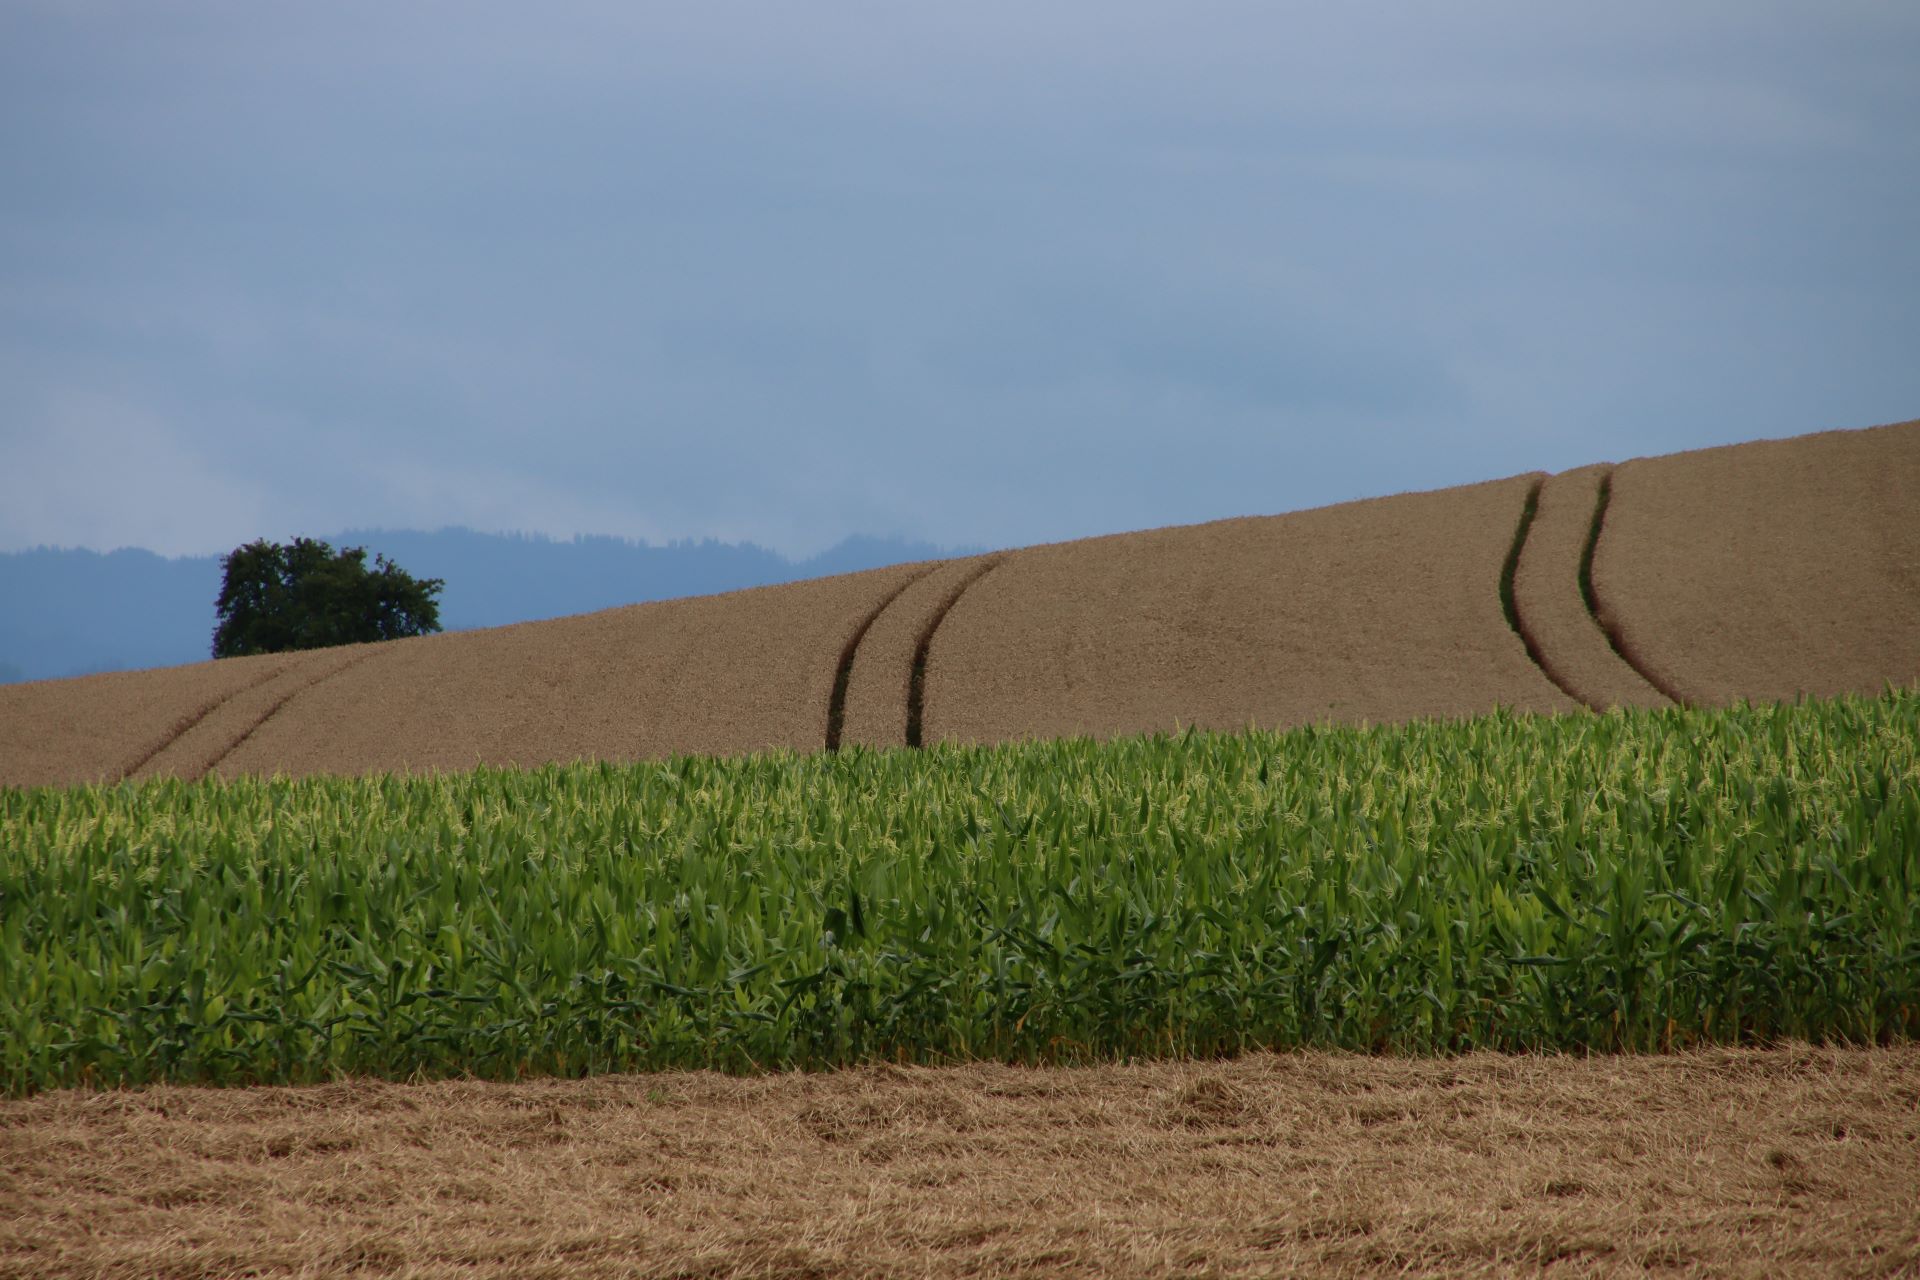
(1792, 1161)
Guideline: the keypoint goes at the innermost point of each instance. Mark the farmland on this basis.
(1762, 571)
(1723, 886)
(1634, 881)
(1785, 1161)
(1520, 874)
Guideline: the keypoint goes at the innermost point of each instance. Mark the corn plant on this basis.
(1632, 881)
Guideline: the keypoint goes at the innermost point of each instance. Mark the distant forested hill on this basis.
(71, 612)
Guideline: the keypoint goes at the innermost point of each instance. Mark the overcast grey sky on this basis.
(988, 274)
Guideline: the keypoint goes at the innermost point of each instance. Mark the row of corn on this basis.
(1630, 881)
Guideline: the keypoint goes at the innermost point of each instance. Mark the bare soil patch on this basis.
(1370, 611)
(1546, 588)
(1768, 570)
(1786, 1161)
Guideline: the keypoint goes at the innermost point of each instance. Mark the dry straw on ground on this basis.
(1789, 1161)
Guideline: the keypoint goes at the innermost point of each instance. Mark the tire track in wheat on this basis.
(1604, 618)
(880, 678)
(1510, 600)
(1553, 599)
(186, 724)
(843, 674)
(277, 706)
(917, 682)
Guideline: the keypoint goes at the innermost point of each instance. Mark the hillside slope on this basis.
(1768, 570)
(1379, 610)
(744, 671)
(102, 728)
(1758, 571)
(1555, 604)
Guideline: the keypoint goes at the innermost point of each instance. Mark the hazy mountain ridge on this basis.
(68, 611)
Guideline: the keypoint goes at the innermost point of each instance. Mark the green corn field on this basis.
(1632, 881)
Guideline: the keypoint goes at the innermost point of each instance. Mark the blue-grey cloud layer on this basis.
(983, 276)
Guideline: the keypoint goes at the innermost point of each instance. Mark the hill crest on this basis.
(1761, 571)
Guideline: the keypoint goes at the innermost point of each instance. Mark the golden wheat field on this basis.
(1759, 571)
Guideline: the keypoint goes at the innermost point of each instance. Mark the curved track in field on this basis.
(1554, 602)
(1623, 649)
(1759, 571)
(883, 686)
(843, 677)
(199, 746)
(1370, 611)
(1771, 570)
(283, 692)
(1522, 624)
(156, 760)
(923, 651)
(745, 671)
(103, 728)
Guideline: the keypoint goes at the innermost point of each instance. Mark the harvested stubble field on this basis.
(1721, 886)
(1789, 1161)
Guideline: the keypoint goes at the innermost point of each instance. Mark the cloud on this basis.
(981, 274)
(87, 469)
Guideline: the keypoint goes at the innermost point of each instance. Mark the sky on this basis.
(989, 274)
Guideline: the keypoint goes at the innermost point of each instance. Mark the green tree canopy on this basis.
(306, 595)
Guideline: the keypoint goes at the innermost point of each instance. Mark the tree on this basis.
(305, 595)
